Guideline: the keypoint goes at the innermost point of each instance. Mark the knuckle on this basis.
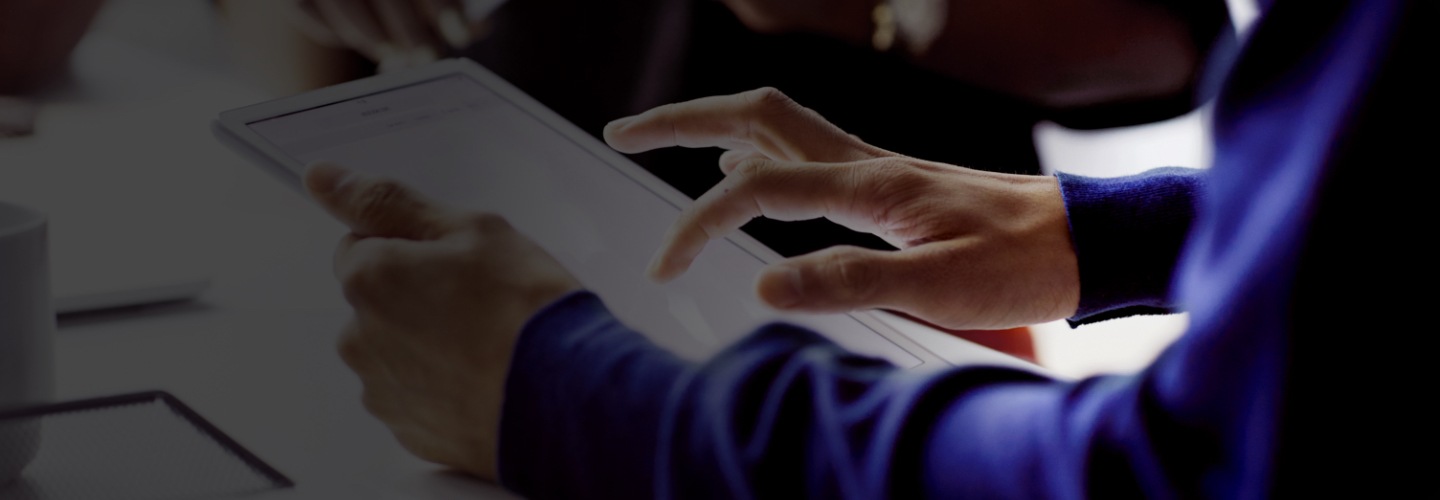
(375, 199)
(855, 276)
(693, 221)
(750, 168)
(382, 269)
(352, 351)
(768, 97)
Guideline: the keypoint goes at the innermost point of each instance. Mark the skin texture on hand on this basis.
(979, 250)
(440, 297)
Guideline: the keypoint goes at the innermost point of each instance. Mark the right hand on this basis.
(395, 34)
(979, 250)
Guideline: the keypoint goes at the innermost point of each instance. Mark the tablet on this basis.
(458, 133)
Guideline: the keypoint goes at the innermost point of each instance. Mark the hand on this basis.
(440, 297)
(980, 250)
(396, 34)
(36, 39)
(844, 19)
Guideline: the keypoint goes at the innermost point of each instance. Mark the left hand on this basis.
(847, 20)
(440, 297)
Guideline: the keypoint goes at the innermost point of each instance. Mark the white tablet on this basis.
(458, 133)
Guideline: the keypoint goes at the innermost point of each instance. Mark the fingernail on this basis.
(326, 178)
(613, 128)
(784, 290)
(453, 28)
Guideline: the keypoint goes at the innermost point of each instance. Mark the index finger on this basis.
(763, 120)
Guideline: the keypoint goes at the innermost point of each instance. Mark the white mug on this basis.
(27, 327)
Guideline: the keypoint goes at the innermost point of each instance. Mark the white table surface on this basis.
(123, 161)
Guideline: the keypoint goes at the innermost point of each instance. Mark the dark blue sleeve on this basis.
(583, 405)
(594, 410)
(1128, 233)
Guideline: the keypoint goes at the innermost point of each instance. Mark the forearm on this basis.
(595, 410)
(584, 402)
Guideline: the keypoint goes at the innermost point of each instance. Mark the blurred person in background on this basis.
(36, 38)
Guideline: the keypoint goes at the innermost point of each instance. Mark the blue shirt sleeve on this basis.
(594, 410)
(1128, 233)
(583, 404)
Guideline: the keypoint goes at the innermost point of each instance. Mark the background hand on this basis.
(36, 38)
(980, 250)
(440, 297)
(396, 34)
(843, 19)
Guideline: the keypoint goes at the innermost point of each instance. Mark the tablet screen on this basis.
(457, 140)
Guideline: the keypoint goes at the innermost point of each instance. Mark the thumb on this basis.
(835, 280)
(375, 207)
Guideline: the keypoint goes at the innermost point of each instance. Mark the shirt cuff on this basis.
(1128, 233)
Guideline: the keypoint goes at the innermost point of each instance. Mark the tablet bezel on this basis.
(232, 128)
